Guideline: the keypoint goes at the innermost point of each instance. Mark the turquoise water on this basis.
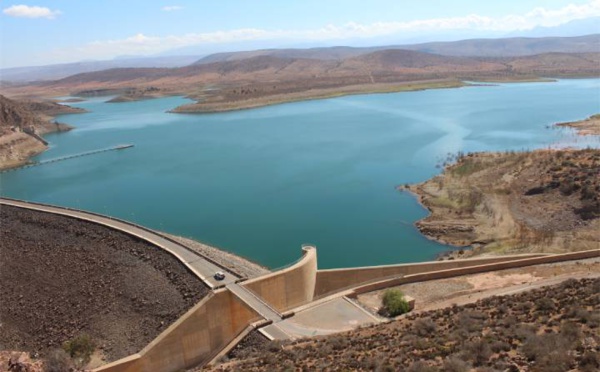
(261, 182)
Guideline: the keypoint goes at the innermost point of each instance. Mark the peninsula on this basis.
(538, 201)
(589, 126)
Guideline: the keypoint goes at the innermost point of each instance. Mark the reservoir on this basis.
(261, 182)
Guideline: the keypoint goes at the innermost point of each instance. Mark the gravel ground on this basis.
(61, 277)
(236, 264)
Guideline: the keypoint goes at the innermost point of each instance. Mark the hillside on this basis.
(512, 47)
(122, 291)
(548, 329)
(59, 71)
(22, 123)
(267, 79)
(503, 47)
(539, 201)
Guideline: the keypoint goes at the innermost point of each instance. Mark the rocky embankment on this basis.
(586, 127)
(61, 278)
(21, 125)
(539, 201)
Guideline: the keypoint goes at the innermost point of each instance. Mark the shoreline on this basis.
(500, 212)
(207, 107)
(32, 146)
(212, 100)
(589, 126)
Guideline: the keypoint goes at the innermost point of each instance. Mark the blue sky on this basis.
(42, 32)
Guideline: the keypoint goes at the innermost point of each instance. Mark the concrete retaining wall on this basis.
(193, 339)
(290, 287)
(333, 280)
(448, 273)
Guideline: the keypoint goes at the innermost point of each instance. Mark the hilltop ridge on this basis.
(238, 80)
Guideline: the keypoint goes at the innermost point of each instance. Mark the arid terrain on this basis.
(548, 329)
(539, 201)
(259, 79)
(21, 125)
(62, 278)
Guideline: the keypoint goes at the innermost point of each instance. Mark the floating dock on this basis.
(67, 157)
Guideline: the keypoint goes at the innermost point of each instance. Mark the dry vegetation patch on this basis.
(549, 329)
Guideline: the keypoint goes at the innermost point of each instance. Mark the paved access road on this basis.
(200, 266)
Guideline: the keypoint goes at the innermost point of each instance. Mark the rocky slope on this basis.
(22, 123)
(540, 201)
(61, 278)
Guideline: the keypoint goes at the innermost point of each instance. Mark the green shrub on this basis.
(80, 349)
(394, 302)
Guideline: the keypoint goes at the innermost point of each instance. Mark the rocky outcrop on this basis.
(21, 125)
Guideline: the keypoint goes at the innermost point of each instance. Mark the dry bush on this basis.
(420, 366)
(455, 364)
(424, 327)
(590, 361)
(477, 351)
(554, 361)
(58, 361)
(544, 305)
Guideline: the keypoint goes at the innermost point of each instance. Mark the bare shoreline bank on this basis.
(487, 203)
(585, 127)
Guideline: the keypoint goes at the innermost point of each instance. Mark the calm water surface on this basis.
(261, 182)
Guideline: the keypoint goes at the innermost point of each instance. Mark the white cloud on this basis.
(171, 8)
(25, 11)
(142, 44)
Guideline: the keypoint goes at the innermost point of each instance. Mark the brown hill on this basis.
(267, 79)
(538, 201)
(557, 63)
(17, 116)
(512, 47)
(504, 47)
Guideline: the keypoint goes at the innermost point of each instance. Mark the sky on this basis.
(41, 32)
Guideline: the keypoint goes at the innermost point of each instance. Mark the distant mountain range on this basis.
(234, 82)
(510, 47)
(506, 47)
(59, 71)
